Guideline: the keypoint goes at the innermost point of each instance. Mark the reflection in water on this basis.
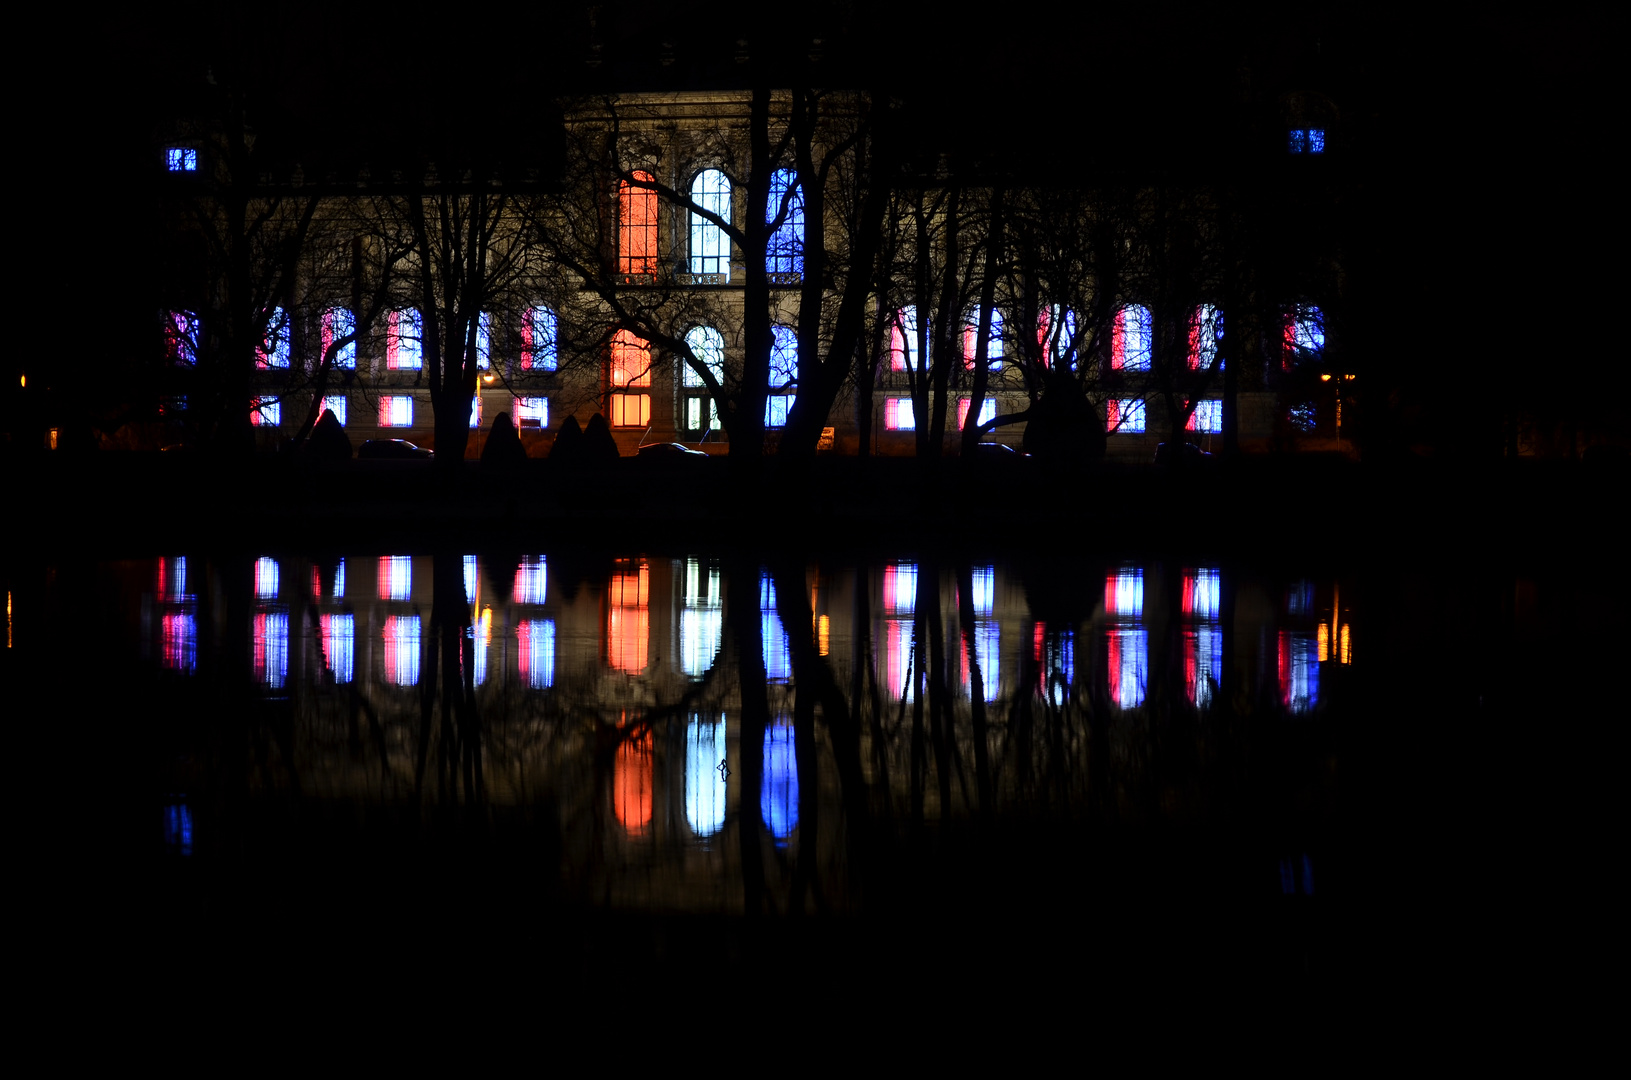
(395, 577)
(628, 616)
(1299, 670)
(172, 584)
(481, 640)
(180, 641)
(1055, 656)
(987, 653)
(631, 783)
(272, 649)
(1203, 636)
(702, 618)
(704, 779)
(178, 827)
(536, 656)
(1128, 644)
(779, 790)
(778, 661)
(401, 637)
(531, 577)
(338, 635)
(1297, 876)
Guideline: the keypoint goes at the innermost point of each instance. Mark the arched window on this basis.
(181, 337)
(337, 325)
(705, 790)
(630, 379)
(779, 786)
(708, 346)
(784, 374)
(903, 346)
(1304, 332)
(274, 349)
(784, 255)
(1056, 333)
(484, 329)
(971, 340)
(710, 247)
(1130, 339)
(404, 340)
(636, 227)
(1205, 328)
(538, 340)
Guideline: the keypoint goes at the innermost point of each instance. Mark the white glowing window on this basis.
(988, 411)
(1124, 416)
(701, 619)
(777, 652)
(264, 412)
(470, 579)
(272, 649)
(339, 337)
(1124, 594)
(1130, 338)
(693, 414)
(983, 589)
(395, 577)
(1205, 329)
(710, 247)
(181, 159)
(971, 340)
(777, 408)
(898, 415)
(274, 349)
(538, 351)
(401, 639)
(396, 410)
(536, 655)
(338, 635)
(704, 780)
(481, 641)
(484, 329)
(900, 588)
(531, 580)
(339, 581)
(1201, 590)
(404, 340)
(532, 412)
(708, 346)
(336, 404)
(903, 343)
(1207, 417)
(266, 579)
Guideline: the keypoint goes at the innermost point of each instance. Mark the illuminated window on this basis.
(274, 349)
(971, 340)
(1124, 416)
(401, 638)
(1299, 670)
(337, 635)
(903, 345)
(181, 337)
(704, 782)
(897, 415)
(404, 340)
(471, 578)
(1301, 416)
(1127, 665)
(777, 654)
(336, 404)
(181, 159)
(1205, 329)
(266, 578)
(395, 577)
(1303, 330)
(710, 247)
(178, 827)
(1203, 662)
(708, 346)
(1307, 141)
(535, 657)
(475, 410)
(784, 358)
(988, 411)
(532, 412)
(1130, 339)
(531, 580)
(484, 330)
(265, 412)
(900, 588)
(271, 645)
(480, 633)
(983, 589)
(631, 783)
(702, 622)
(630, 367)
(396, 410)
(987, 643)
(1201, 590)
(1207, 417)
(337, 325)
(1056, 333)
(637, 227)
(779, 788)
(180, 641)
(784, 253)
(538, 351)
(628, 618)
(1124, 594)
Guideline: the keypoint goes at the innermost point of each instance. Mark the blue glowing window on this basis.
(404, 341)
(779, 790)
(335, 403)
(777, 408)
(339, 333)
(1307, 141)
(181, 337)
(1302, 416)
(784, 358)
(897, 415)
(401, 660)
(710, 247)
(1124, 416)
(777, 649)
(784, 254)
(337, 635)
(1207, 418)
(178, 828)
(988, 411)
(181, 159)
(538, 340)
(274, 350)
(1130, 339)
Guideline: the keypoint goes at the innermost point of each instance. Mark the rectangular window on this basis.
(903, 340)
(538, 340)
(404, 341)
(1207, 418)
(1307, 141)
(335, 403)
(777, 407)
(693, 414)
(630, 410)
(988, 411)
(532, 412)
(1125, 416)
(274, 350)
(637, 226)
(337, 326)
(396, 410)
(181, 337)
(898, 415)
(1130, 338)
(181, 159)
(265, 413)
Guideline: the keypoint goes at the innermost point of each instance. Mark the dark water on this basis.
(662, 762)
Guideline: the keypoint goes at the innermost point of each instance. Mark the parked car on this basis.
(1168, 454)
(392, 450)
(668, 451)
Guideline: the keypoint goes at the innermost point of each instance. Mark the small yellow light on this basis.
(1347, 646)
(1325, 378)
(1325, 643)
(488, 378)
(53, 438)
(22, 380)
(824, 635)
(1349, 377)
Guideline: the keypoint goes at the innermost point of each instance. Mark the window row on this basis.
(397, 410)
(709, 215)
(1131, 333)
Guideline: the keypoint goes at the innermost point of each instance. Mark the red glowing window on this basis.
(628, 617)
(631, 783)
(898, 415)
(404, 349)
(971, 340)
(181, 337)
(636, 226)
(396, 410)
(1205, 328)
(1130, 338)
(903, 343)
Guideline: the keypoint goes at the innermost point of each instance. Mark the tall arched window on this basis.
(903, 345)
(274, 350)
(784, 374)
(538, 340)
(636, 226)
(181, 337)
(710, 247)
(1056, 333)
(1205, 328)
(784, 255)
(1130, 339)
(630, 379)
(404, 345)
(338, 324)
(1304, 329)
(701, 411)
(971, 340)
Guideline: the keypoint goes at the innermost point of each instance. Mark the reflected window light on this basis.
(901, 678)
(1055, 664)
(1299, 671)
(401, 635)
(631, 783)
(704, 782)
(779, 790)
(628, 618)
(983, 590)
(536, 656)
(178, 828)
(266, 578)
(1128, 666)
(172, 584)
(1124, 594)
(395, 577)
(900, 588)
(1201, 590)
(701, 619)
(272, 649)
(469, 566)
(1203, 663)
(987, 654)
(1300, 598)
(777, 649)
(338, 637)
(180, 641)
(481, 639)
(1297, 876)
(898, 415)
(531, 580)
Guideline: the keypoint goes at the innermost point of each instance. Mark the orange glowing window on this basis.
(631, 783)
(631, 360)
(630, 410)
(628, 617)
(636, 226)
